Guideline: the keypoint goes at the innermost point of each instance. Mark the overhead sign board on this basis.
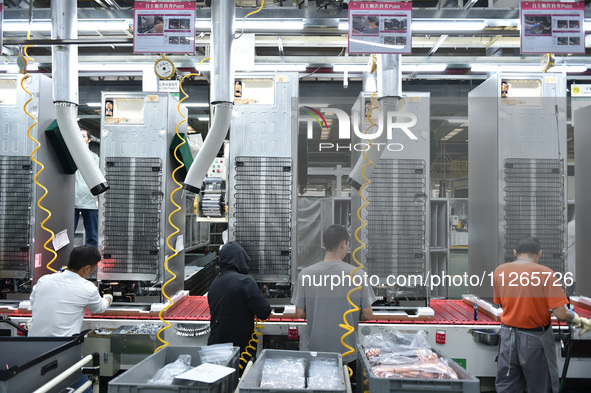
(552, 27)
(164, 27)
(378, 27)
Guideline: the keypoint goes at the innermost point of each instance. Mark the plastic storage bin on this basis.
(252, 381)
(30, 362)
(135, 379)
(465, 383)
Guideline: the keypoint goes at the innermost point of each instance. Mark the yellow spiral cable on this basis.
(254, 340)
(350, 329)
(177, 209)
(249, 14)
(45, 192)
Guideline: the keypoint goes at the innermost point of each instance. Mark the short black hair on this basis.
(158, 19)
(372, 19)
(333, 236)
(528, 245)
(82, 256)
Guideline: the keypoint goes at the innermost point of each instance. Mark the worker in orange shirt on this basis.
(527, 291)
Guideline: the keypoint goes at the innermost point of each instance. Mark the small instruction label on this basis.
(60, 240)
(180, 243)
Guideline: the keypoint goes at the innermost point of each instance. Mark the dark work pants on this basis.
(526, 358)
(90, 217)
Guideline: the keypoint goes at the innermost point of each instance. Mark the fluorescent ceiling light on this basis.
(17, 25)
(404, 67)
(423, 67)
(270, 25)
(568, 68)
(93, 104)
(103, 25)
(448, 25)
(505, 68)
(527, 68)
(196, 105)
(350, 67)
(255, 24)
(113, 66)
(23, 25)
(13, 68)
(276, 67)
(203, 118)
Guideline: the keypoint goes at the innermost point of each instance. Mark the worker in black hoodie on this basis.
(234, 299)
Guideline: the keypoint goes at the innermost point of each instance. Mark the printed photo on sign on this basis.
(366, 25)
(538, 25)
(395, 25)
(179, 24)
(150, 24)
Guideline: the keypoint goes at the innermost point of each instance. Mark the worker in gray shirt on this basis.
(320, 296)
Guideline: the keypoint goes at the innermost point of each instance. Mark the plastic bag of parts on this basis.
(396, 355)
(395, 339)
(219, 354)
(284, 373)
(324, 374)
(166, 374)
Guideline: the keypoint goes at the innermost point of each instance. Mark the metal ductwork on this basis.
(65, 92)
(389, 88)
(223, 13)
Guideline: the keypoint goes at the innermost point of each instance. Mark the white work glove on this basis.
(109, 298)
(582, 323)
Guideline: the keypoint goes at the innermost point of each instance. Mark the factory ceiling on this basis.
(317, 45)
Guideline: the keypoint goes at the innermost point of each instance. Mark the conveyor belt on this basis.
(447, 312)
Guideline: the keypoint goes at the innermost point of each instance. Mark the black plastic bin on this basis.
(27, 363)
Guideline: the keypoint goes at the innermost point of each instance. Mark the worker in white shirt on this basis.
(59, 300)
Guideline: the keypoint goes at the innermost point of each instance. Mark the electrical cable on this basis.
(176, 210)
(351, 329)
(26, 58)
(254, 340)
(247, 15)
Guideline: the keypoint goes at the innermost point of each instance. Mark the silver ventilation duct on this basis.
(223, 13)
(65, 92)
(389, 88)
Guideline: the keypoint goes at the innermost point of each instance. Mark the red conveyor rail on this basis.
(447, 312)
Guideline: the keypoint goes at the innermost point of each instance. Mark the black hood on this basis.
(233, 257)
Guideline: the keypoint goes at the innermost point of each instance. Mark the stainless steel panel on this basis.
(483, 181)
(582, 120)
(265, 131)
(398, 218)
(15, 149)
(512, 141)
(137, 157)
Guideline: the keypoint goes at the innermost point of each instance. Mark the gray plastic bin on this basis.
(27, 363)
(134, 380)
(252, 381)
(465, 383)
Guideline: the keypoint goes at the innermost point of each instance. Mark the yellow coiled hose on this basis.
(249, 14)
(177, 209)
(41, 167)
(256, 334)
(354, 308)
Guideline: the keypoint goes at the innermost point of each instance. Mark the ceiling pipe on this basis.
(223, 13)
(65, 93)
(389, 92)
